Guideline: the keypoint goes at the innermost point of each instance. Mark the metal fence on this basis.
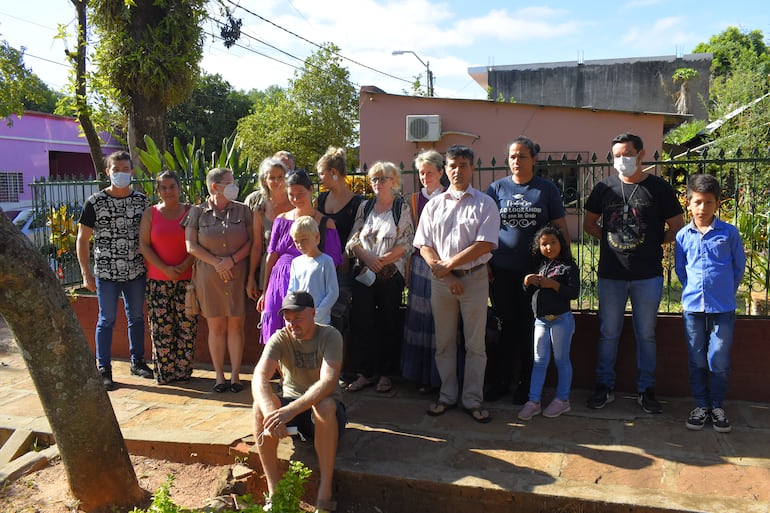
(745, 202)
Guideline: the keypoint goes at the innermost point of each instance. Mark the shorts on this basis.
(304, 421)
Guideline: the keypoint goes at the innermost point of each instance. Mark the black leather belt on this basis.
(465, 272)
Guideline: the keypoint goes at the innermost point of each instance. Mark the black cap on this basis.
(296, 301)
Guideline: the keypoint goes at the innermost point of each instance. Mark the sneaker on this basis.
(719, 421)
(556, 408)
(106, 374)
(139, 368)
(648, 402)
(530, 409)
(697, 418)
(602, 396)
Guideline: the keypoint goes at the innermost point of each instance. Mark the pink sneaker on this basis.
(556, 408)
(530, 410)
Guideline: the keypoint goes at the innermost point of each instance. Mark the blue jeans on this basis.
(557, 334)
(645, 299)
(108, 292)
(709, 338)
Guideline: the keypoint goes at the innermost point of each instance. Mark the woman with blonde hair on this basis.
(218, 234)
(382, 242)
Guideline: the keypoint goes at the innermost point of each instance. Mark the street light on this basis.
(429, 73)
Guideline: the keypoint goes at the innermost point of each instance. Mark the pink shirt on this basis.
(167, 240)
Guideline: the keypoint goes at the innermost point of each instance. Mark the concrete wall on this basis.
(748, 377)
(487, 127)
(641, 85)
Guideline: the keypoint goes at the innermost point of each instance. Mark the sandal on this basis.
(384, 385)
(236, 387)
(359, 384)
(221, 388)
(439, 408)
(479, 415)
(325, 506)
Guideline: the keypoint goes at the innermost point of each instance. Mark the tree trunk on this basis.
(146, 116)
(94, 144)
(62, 368)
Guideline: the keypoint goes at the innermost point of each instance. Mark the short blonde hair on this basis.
(304, 225)
(388, 169)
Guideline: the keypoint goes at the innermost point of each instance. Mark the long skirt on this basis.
(418, 361)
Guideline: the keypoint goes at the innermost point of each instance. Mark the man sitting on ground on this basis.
(310, 359)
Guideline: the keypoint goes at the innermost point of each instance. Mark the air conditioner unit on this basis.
(423, 128)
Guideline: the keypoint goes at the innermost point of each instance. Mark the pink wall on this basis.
(556, 129)
(25, 147)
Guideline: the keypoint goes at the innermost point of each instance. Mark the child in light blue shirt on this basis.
(313, 271)
(710, 262)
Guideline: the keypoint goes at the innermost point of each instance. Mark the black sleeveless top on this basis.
(345, 218)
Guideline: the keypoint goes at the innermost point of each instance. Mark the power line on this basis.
(316, 44)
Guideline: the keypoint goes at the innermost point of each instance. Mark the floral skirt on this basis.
(172, 330)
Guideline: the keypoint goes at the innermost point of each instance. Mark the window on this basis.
(11, 186)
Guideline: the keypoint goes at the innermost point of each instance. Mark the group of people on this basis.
(345, 260)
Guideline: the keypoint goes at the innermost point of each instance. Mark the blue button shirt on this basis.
(710, 266)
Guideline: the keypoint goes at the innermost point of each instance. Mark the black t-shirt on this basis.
(633, 220)
(345, 218)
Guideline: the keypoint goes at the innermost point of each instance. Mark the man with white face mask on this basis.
(632, 213)
(112, 216)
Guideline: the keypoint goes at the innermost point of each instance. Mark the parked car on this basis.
(34, 225)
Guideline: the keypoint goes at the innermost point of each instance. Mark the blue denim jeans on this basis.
(645, 299)
(557, 334)
(709, 339)
(108, 292)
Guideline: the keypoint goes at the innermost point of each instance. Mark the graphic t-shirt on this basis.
(115, 222)
(524, 208)
(633, 220)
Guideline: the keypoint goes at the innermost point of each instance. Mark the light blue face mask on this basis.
(120, 180)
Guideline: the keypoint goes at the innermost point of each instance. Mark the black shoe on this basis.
(140, 368)
(106, 374)
(719, 421)
(648, 402)
(602, 396)
(520, 395)
(697, 418)
(494, 393)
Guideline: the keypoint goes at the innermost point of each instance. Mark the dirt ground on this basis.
(47, 490)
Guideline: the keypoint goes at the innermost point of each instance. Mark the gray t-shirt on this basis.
(300, 360)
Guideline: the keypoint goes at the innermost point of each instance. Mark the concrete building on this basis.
(636, 85)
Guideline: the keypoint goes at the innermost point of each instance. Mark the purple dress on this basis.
(282, 243)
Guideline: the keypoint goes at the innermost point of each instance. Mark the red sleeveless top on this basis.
(167, 239)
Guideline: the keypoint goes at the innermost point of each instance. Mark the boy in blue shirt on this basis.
(710, 262)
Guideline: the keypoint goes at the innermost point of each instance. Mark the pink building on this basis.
(396, 128)
(39, 145)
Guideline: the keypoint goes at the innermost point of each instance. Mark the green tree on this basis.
(149, 52)
(17, 83)
(43, 98)
(317, 110)
(732, 47)
(211, 114)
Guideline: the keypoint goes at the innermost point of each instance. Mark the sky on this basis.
(449, 37)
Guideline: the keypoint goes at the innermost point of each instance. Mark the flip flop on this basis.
(439, 408)
(236, 387)
(221, 388)
(479, 415)
(384, 385)
(359, 384)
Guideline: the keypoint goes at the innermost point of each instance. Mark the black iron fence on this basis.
(745, 183)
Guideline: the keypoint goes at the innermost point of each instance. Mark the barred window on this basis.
(11, 186)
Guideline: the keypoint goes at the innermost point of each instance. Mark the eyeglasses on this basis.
(379, 179)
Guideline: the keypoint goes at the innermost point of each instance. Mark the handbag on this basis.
(191, 305)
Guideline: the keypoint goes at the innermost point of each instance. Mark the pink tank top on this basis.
(167, 239)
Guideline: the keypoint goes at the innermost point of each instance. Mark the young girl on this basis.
(554, 285)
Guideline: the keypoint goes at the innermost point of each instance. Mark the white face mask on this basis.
(626, 166)
(120, 180)
(231, 191)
